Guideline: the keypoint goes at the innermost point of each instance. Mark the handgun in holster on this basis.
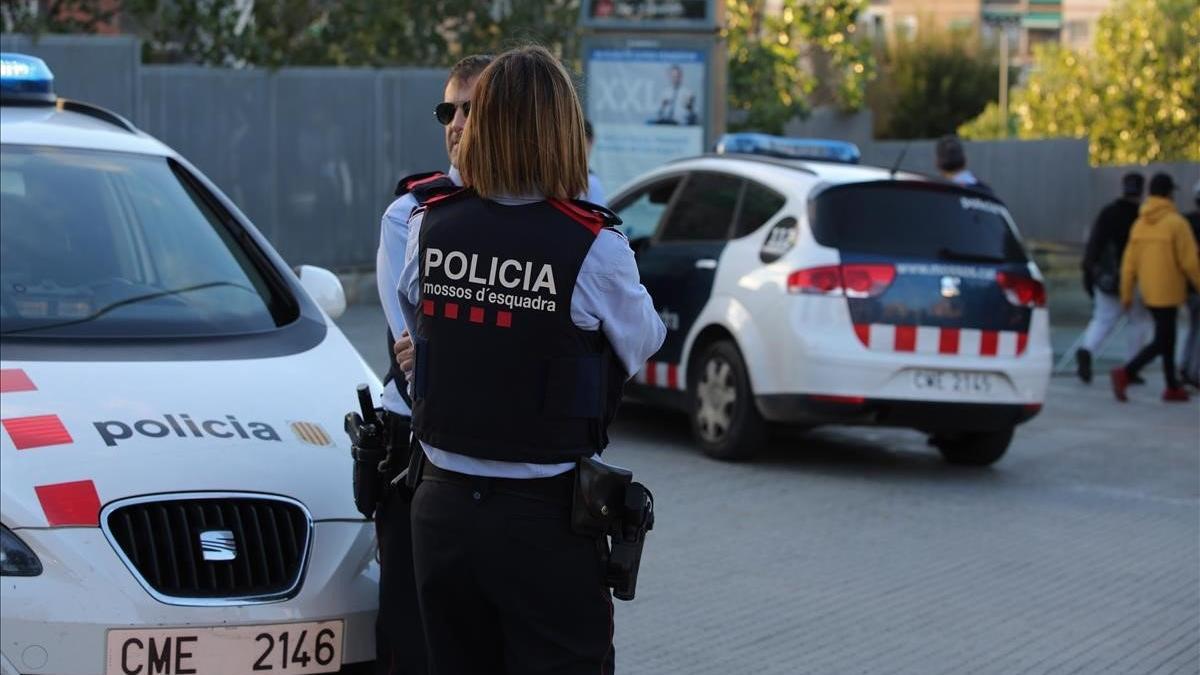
(368, 447)
(609, 505)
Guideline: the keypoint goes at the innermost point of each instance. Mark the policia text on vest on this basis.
(484, 276)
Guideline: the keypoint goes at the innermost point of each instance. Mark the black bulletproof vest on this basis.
(502, 372)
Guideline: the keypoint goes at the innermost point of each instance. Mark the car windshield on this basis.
(914, 220)
(114, 245)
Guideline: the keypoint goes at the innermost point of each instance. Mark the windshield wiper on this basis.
(130, 301)
(960, 256)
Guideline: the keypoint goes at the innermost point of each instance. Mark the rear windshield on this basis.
(913, 220)
(113, 245)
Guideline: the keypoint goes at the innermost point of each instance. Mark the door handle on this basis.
(706, 264)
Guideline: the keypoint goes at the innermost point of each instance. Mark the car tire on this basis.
(979, 448)
(725, 422)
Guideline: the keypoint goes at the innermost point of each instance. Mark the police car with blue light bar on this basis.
(800, 288)
(170, 442)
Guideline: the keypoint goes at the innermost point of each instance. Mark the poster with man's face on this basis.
(647, 107)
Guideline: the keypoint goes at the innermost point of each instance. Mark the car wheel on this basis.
(725, 421)
(973, 448)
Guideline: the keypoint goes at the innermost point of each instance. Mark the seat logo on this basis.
(218, 545)
(951, 287)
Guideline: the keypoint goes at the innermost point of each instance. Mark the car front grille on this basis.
(209, 548)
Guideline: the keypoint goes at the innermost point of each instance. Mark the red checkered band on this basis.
(452, 310)
(935, 340)
(661, 374)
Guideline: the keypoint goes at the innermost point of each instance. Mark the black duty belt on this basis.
(557, 489)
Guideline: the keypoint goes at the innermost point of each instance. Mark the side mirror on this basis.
(325, 288)
(639, 245)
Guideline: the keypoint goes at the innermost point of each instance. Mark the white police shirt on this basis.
(595, 192)
(608, 296)
(389, 260)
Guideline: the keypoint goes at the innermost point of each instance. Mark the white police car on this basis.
(175, 481)
(798, 288)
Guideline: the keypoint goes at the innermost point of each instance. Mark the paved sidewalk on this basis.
(850, 550)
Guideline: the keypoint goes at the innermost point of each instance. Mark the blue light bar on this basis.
(25, 78)
(789, 148)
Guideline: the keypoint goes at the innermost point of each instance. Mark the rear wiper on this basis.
(960, 256)
(129, 301)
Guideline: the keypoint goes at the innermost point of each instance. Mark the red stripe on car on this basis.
(906, 338)
(989, 342)
(15, 379)
(863, 331)
(74, 503)
(36, 431)
(948, 341)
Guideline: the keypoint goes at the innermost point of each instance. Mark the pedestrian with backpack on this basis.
(1102, 275)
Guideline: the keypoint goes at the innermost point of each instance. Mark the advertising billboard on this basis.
(648, 105)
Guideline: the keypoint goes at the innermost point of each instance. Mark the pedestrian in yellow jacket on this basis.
(1161, 258)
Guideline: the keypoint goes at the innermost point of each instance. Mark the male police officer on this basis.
(400, 644)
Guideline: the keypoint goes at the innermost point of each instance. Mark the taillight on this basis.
(816, 280)
(1021, 290)
(867, 281)
(852, 281)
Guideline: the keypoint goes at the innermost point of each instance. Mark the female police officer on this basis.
(521, 298)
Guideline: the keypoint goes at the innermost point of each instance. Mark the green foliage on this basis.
(1059, 97)
(55, 16)
(781, 63)
(1136, 97)
(931, 85)
(989, 125)
(1147, 82)
(360, 33)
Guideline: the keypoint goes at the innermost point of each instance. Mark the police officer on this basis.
(400, 647)
(529, 315)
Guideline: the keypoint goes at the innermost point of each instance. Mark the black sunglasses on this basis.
(444, 112)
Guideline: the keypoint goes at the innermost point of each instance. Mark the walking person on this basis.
(399, 640)
(1102, 278)
(529, 315)
(1161, 259)
(1189, 369)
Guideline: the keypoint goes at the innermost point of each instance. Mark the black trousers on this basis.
(399, 638)
(1163, 345)
(505, 586)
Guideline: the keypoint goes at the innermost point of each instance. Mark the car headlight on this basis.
(17, 559)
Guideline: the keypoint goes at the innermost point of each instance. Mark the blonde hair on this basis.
(525, 132)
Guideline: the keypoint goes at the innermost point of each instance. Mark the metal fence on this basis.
(312, 154)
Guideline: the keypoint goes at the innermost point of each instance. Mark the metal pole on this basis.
(1004, 79)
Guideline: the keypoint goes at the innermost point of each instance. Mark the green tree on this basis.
(1136, 97)
(989, 125)
(932, 84)
(55, 16)
(1147, 82)
(359, 33)
(1059, 98)
(780, 63)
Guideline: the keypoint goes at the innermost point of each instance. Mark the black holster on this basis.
(610, 507)
(367, 449)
